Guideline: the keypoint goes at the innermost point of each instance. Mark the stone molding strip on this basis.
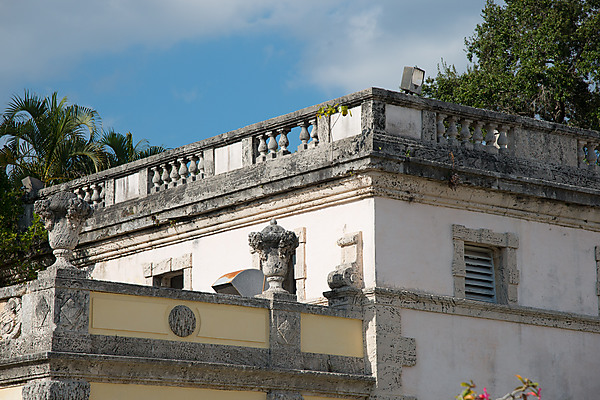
(418, 190)
(118, 369)
(365, 185)
(344, 191)
(414, 300)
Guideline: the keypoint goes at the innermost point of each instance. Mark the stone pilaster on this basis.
(56, 390)
(55, 305)
(284, 340)
(283, 395)
(373, 116)
(388, 352)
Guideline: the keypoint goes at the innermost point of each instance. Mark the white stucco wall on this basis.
(415, 248)
(214, 255)
(453, 349)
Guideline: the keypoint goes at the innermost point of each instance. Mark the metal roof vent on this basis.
(246, 282)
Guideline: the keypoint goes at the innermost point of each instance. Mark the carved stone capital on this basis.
(275, 245)
(63, 215)
(56, 390)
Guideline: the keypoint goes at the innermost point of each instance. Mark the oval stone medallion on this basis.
(182, 321)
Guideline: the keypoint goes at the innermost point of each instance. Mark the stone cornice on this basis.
(414, 300)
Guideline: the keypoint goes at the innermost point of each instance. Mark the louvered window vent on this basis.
(479, 281)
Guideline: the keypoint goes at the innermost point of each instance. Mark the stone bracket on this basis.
(350, 271)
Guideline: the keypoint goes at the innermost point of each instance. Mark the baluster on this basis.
(580, 153)
(88, 195)
(304, 135)
(174, 173)
(591, 155)
(201, 172)
(193, 169)
(452, 131)
(165, 177)
(314, 133)
(183, 170)
(262, 147)
(272, 143)
(490, 138)
(478, 136)
(465, 133)
(503, 138)
(283, 140)
(79, 192)
(102, 193)
(95, 194)
(441, 128)
(156, 177)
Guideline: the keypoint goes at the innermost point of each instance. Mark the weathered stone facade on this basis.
(400, 189)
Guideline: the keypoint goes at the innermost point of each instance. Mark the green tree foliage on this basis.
(119, 148)
(55, 142)
(49, 139)
(538, 58)
(23, 251)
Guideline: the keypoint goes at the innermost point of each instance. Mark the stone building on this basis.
(436, 243)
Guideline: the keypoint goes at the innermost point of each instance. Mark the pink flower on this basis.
(484, 395)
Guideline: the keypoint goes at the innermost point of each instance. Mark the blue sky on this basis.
(179, 71)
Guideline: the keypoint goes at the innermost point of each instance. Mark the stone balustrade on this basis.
(93, 194)
(481, 134)
(374, 112)
(82, 340)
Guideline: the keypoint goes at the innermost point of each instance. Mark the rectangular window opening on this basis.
(480, 274)
(172, 280)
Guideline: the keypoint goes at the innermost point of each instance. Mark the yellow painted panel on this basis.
(113, 391)
(228, 322)
(128, 313)
(12, 393)
(331, 335)
(148, 317)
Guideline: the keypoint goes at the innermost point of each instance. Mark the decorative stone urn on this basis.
(63, 215)
(275, 245)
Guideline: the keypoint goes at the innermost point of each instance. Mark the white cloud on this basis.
(347, 44)
(367, 45)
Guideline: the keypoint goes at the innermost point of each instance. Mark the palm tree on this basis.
(49, 139)
(120, 149)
